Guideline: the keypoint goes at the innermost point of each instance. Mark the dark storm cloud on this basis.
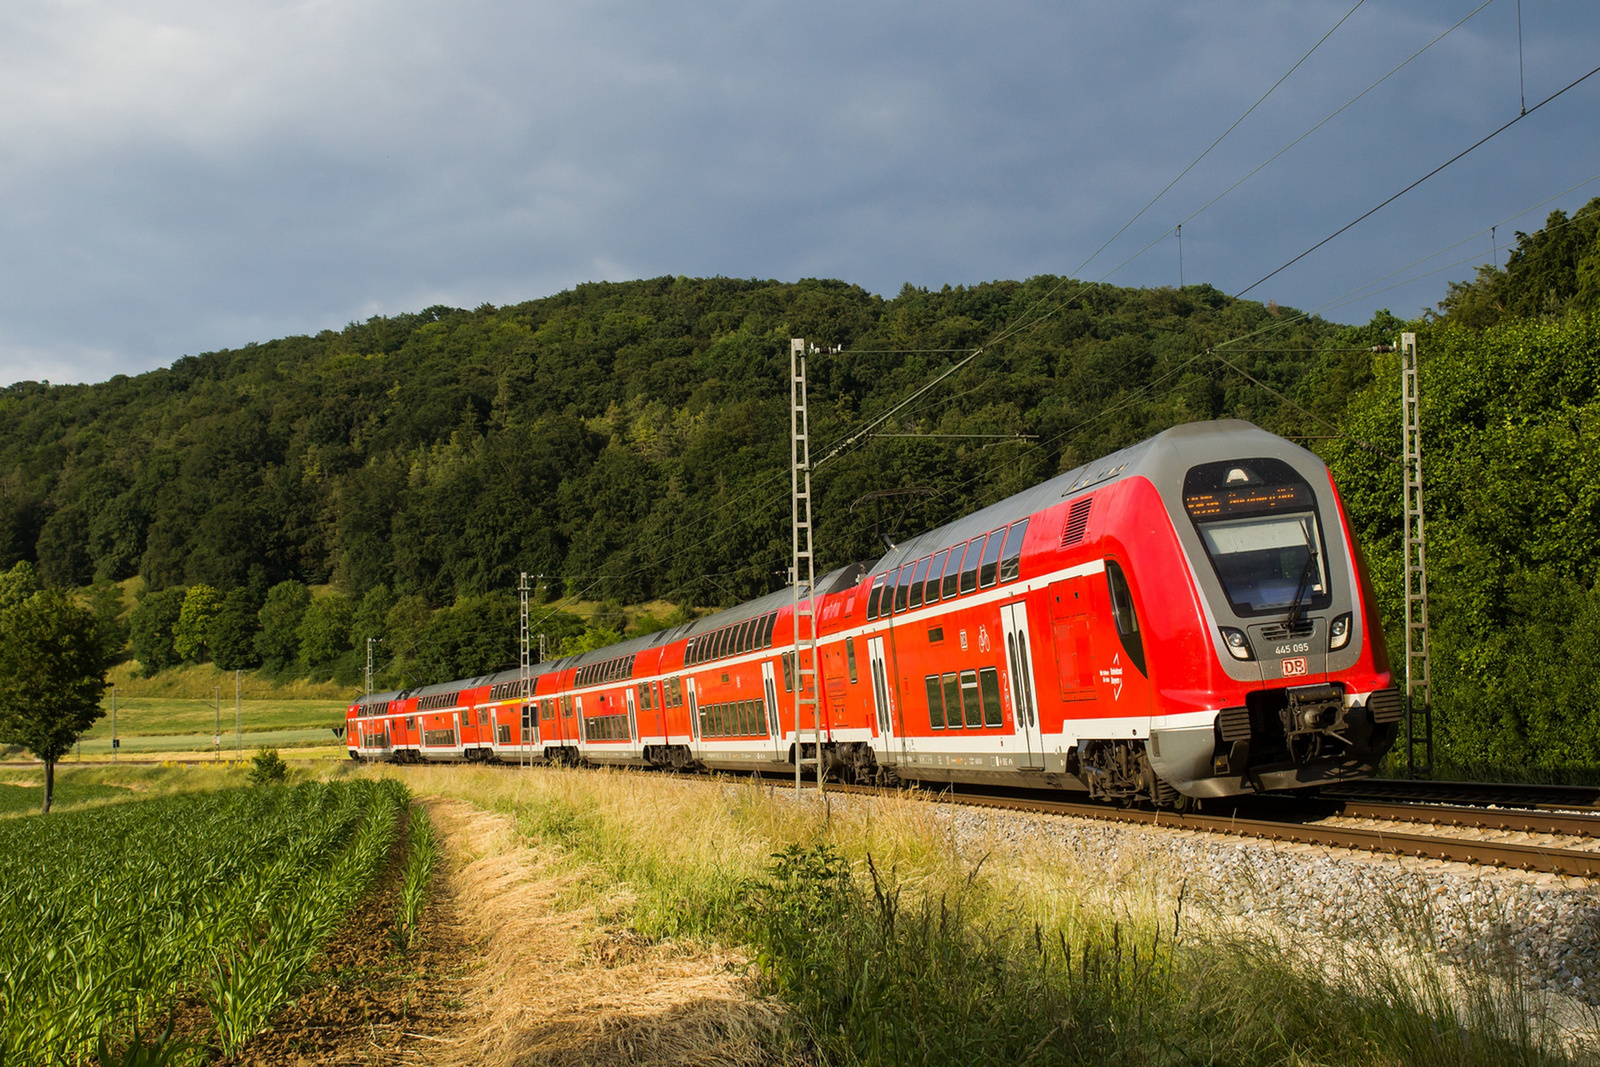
(182, 176)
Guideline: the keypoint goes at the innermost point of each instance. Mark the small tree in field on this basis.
(52, 675)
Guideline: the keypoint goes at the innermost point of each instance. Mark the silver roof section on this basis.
(1150, 458)
(1159, 458)
(832, 582)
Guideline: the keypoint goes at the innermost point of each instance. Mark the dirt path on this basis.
(552, 984)
(515, 966)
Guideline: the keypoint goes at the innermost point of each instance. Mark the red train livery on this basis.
(1188, 617)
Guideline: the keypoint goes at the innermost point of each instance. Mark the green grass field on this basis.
(21, 798)
(170, 717)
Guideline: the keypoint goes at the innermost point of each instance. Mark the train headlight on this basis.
(1238, 644)
(1339, 633)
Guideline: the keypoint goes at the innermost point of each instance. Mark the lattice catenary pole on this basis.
(525, 751)
(1419, 687)
(803, 570)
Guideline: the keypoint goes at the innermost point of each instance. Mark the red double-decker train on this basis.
(1188, 617)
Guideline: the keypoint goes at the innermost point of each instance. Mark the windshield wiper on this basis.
(1304, 587)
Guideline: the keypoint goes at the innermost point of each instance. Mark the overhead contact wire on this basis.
(1459, 155)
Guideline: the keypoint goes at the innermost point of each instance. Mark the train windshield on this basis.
(1268, 563)
(1258, 521)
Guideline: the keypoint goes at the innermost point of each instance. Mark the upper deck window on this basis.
(902, 587)
(935, 572)
(969, 565)
(990, 572)
(874, 599)
(918, 580)
(1011, 558)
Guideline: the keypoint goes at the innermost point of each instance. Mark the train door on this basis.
(882, 700)
(694, 715)
(1024, 693)
(633, 720)
(1071, 625)
(769, 690)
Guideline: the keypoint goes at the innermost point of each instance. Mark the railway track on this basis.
(1470, 807)
(1471, 794)
(1302, 828)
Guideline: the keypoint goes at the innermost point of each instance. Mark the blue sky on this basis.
(180, 176)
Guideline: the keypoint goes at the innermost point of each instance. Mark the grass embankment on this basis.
(201, 904)
(893, 941)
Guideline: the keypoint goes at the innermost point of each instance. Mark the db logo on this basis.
(1292, 667)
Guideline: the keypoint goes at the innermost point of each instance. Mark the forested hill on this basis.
(630, 439)
(630, 442)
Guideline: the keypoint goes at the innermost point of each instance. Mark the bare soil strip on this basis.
(518, 963)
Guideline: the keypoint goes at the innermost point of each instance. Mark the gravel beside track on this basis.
(1549, 924)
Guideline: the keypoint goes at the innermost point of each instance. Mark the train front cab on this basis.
(1275, 677)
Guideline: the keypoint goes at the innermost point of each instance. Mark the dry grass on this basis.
(673, 862)
(561, 982)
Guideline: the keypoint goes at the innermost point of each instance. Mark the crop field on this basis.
(115, 917)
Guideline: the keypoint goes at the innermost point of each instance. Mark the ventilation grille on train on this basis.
(1386, 705)
(1234, 723)
(1077, 522)
(1279, 632)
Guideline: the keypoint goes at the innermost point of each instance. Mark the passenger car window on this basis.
(970, 705)
(969, 565)
(989, 688)
(935, 572)
(875, 596)
(902, 587)
(918, 580)
(935, 702)
(1011, 558)
(991, 560)
(952, 701)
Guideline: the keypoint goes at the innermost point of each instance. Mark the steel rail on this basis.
(1513, 820)
(1499, 794)
(1573, 862)
(1542, 858)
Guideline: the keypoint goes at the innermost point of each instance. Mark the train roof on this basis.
(1181, 445)
(833, 581)
(1157, 457)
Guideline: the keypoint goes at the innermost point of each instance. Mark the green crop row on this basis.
(109, 917)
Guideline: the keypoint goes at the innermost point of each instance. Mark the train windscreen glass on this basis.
(1258, 521)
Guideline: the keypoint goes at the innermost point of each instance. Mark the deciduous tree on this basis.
(52, 676)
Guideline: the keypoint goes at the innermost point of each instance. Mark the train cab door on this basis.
(1024, 693)
(769, 693)
(882, 701)
(633, 720)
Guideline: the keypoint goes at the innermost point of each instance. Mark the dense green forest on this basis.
(628, 443)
